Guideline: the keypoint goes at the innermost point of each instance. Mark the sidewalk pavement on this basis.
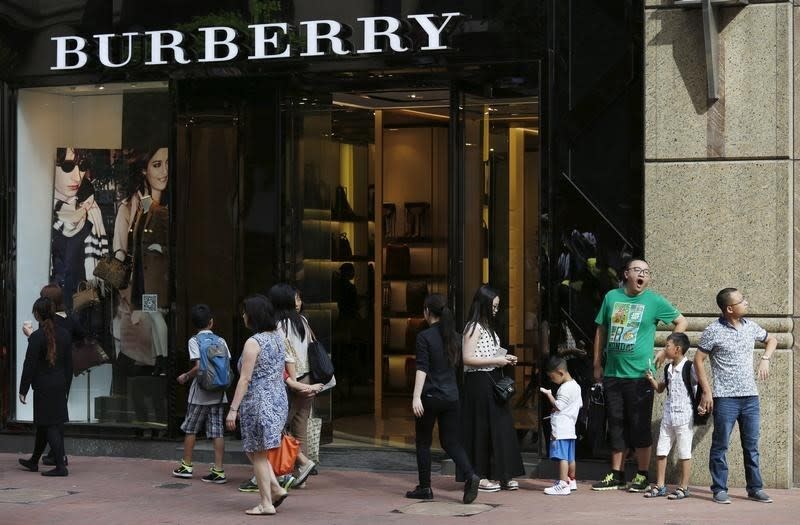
(121, 491)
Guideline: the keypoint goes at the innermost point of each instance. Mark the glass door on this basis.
(330, 242)
(499, 152)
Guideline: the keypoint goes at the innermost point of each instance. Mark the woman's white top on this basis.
(488, 346)
(298, 354)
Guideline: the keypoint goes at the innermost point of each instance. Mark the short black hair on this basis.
(201, 316)
(555, 363)
(260, 313)
(724, 297)
(627, 265)
(680, 340)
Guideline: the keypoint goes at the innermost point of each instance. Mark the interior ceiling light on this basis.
(101, 87)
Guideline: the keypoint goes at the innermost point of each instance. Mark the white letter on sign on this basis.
(105, 51)
(157, 45)
(210, 35)
(260, 41)
(313, 37)
(62, 52)
(371, 34)
(434, 33)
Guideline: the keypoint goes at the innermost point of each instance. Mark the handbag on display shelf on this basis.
(86, 295)
(417, 218)
(398, 260)
(416, 292)
(313, 434)
(386, 295)
(341, 208)
(87, 354)
(413, 328)
(283, 457)
(113, 271)
(340, 246)
(389, 215)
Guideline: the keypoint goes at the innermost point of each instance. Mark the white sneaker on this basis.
(573, 485)
(560, 488)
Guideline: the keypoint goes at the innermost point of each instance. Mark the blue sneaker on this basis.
(722, 497)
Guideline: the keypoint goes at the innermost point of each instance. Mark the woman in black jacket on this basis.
(48, 369)
(436, 397)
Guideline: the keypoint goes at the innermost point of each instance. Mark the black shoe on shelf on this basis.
(29, 464)
(420, 493)
(56, 472)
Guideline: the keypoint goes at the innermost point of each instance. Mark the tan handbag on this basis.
(85, 296)
(113, 271)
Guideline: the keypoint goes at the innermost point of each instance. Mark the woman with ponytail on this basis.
(48, 369)
(436, 398)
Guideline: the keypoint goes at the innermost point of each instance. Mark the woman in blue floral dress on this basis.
(260, 400)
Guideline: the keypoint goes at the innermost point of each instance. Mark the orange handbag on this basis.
(282, 457)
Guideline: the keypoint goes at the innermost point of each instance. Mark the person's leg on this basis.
(449, 430)
(188, 448)
(686, 471)
(40, 442)
(219, 452)
(683, 446)
(615, 411)
(263, 472)
(640, 410)
(57, 446)
(215, 431)
(726, 412)
(571, 470)
(563, 471)
(423, 439)
(297, 420)
(749, 421)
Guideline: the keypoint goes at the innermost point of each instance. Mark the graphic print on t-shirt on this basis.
(625, 321)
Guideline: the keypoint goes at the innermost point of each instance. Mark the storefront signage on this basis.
(266, 41)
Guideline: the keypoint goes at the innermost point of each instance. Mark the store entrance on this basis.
(373, 183)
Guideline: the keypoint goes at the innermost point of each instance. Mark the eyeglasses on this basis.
(641, 271)
(68, 165)
(744, 300)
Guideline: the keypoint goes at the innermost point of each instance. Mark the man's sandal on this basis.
(656, 492)
(679, 493)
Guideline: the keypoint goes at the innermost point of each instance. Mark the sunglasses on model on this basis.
(67, 166)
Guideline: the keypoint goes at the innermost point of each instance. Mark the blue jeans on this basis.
(727, 411)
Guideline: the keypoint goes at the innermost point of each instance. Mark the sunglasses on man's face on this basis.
(67, 166)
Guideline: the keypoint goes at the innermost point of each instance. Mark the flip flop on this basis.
(276, 501)
(259, 510)
(679, 493)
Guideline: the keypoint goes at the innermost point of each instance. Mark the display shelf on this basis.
(415, 277)
(310, 214)
(414, 241)
(402, 315)
(352, 258)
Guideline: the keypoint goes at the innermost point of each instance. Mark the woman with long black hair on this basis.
(297, 332)
(489, 437)
(48, 369)
(436, 397)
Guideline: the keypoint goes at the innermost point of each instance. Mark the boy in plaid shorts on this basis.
(204, 407)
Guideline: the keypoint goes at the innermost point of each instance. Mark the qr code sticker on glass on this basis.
(149, 302)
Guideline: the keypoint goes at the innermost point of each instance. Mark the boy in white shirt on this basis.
(677, 423)
(566, 406)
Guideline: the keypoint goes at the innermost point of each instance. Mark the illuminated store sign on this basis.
(219, 43)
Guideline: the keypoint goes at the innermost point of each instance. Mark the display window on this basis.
(93, 193)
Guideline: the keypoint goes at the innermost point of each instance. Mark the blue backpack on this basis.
(215, 372)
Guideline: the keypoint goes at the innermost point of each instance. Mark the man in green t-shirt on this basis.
(625, 336)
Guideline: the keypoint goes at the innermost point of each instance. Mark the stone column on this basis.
(719, 194)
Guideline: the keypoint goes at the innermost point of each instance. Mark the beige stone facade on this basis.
(720, 195)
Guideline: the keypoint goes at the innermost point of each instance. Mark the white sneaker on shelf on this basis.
(573, 485)
(560, 488)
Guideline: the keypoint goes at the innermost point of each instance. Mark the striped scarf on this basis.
(70, 218)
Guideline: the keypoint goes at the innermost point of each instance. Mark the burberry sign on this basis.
(264, 41)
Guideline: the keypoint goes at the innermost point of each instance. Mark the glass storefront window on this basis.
(93, 182)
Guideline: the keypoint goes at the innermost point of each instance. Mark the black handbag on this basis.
(319, 362)
(416, 292)
(504, 388)
(398, 260)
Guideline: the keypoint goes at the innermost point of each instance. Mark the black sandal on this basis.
(679, 493)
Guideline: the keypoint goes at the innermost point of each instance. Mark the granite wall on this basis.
(720, 198)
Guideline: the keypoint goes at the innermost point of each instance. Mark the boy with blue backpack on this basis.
(211, 375)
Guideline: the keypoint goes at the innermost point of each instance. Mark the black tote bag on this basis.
(319, 362)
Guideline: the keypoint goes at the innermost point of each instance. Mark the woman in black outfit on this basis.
(488, 427)
(436, 397)
(48, 369)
